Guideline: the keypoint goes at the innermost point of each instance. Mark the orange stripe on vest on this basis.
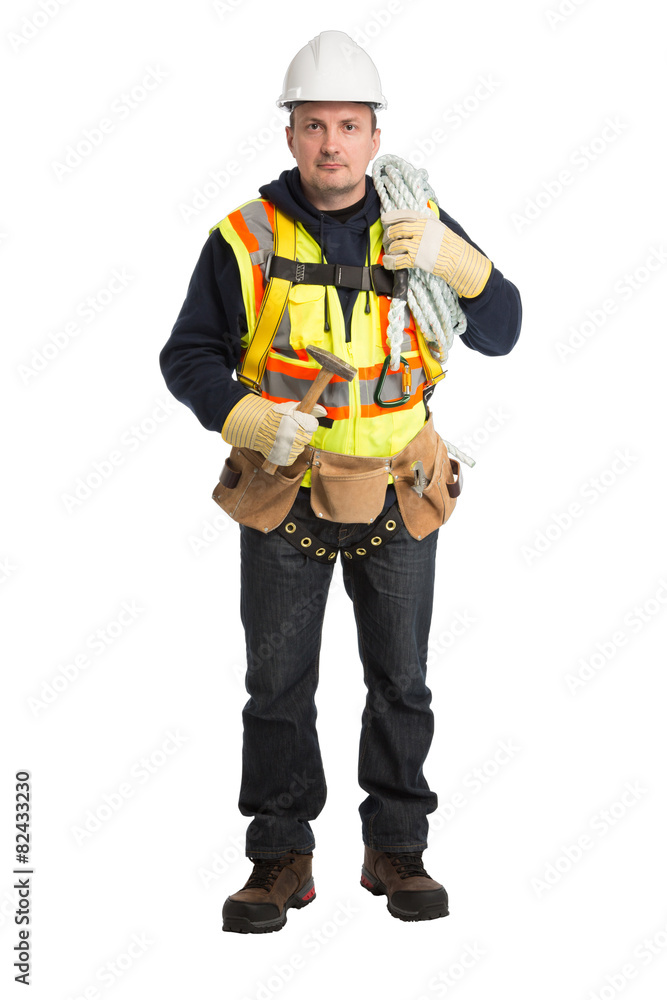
(251, 243)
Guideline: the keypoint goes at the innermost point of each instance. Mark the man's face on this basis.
(332, 144)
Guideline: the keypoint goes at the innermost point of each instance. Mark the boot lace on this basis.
(408, 865)
(265, 871)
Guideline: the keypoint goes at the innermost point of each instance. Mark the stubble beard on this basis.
(327, 185)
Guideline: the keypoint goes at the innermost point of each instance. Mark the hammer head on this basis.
(332, 363)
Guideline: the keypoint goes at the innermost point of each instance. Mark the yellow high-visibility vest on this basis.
(285, 318)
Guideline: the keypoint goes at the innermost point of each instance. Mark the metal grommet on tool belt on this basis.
(380, 535)
(293, 531)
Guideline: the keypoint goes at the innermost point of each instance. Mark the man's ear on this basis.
(289, 135)
(376, 142)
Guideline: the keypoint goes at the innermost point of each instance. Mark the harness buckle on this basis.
(350, 276)
(249, 383)
(267, 265)
(382, 280)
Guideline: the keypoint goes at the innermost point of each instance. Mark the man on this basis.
(329, 206)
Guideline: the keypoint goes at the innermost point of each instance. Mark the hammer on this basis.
(331, 365)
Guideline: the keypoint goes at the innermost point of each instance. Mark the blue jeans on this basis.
(283, 598)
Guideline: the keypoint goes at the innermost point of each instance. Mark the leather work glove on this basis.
(278, 430)
(420, 239)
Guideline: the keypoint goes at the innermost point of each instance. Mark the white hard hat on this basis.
(332, 67)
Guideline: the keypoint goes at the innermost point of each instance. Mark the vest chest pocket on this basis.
(305, 304)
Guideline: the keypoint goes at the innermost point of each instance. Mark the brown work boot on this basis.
(412, 894)
(275, 884)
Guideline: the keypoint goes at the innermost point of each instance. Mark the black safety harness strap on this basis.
(304, 541)
(374, 278)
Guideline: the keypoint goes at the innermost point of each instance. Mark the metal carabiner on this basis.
(406, 385)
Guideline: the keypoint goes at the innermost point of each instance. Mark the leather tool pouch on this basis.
(253, 497)
(423, 514)
(348, 488)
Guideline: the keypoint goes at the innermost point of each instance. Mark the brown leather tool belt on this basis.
(345, 488)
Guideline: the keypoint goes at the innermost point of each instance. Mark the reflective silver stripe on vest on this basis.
(256, 219)
(281, 386)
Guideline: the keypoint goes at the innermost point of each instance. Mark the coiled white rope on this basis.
(434, 305)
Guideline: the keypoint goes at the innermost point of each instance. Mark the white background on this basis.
(542, 591)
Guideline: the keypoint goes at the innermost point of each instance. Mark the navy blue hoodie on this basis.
(204, 348)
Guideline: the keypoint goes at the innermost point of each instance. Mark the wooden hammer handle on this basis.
(306, 405)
